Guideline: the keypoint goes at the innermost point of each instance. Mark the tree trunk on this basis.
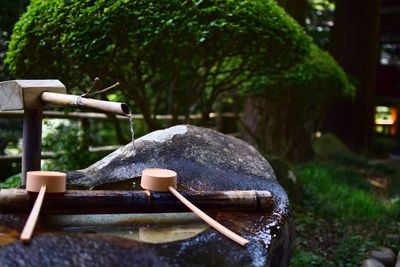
(354, 45)
(279, 126)
(264, 123)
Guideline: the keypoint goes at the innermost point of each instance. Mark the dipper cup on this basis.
(42, 182)
(163, 180)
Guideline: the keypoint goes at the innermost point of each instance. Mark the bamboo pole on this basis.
(109, 202)
(82, 102)
(101, 116)
(33, 216)
(210, 221)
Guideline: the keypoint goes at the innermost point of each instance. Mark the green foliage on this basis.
(329, 147)
(169, 56)
(11, 182)
(70, 141)
(316, 78)
(320, 20)
(338, 222)
(339, 193)
(290, 104)
(306, 259)
(11, 131)
(70, 146)
(395, 207)
(9, 12)
(350, 250)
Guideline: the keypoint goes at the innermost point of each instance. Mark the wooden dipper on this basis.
(42, 182)
(163, 180)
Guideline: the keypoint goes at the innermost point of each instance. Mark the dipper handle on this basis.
(213, 223)
(33, 216)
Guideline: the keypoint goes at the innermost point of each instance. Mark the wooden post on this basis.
(34, 95)
(31, 142)
(25, 95)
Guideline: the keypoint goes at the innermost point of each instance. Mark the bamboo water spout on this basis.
(64, 100)
(33, 96)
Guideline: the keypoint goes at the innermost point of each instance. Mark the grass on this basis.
(350, 205)
(339, 193)
(307, 259)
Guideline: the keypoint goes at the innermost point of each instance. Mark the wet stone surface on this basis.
(204, 160)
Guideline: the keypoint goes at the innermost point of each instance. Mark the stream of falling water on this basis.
(132, 133)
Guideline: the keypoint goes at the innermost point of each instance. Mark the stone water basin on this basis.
(160, 239)
(204, 160)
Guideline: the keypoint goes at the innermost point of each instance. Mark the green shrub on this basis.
(329, 148)
(10, 133)
(307, 259)
(351, 250)
(394, 208)
(290, 104)
(338, 222)
(70, 145)
(11, 182)
(169, 56)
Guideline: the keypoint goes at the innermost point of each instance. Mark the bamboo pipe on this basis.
(109, 202)
(82, 102)
(210, 221)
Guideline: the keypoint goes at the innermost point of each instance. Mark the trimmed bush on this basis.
(290, 105)
(169, 55)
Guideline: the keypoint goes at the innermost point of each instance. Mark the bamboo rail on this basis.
(109, 202)
(51, 155)
(101, 116)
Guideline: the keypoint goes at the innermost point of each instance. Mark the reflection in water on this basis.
(151, 228)
(7, 236)
(169, 233)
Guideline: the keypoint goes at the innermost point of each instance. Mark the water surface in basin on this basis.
(151, 228)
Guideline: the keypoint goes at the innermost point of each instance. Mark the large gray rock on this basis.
(398, 260)
(204, 160)
(371, 262)
(384, 255)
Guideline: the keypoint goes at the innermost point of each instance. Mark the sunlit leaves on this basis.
(169, 55)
